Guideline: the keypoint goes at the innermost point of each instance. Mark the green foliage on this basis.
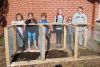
(1, 41)
(98, 42)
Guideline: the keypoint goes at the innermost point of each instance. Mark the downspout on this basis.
(99, 11)
(93, 21)
(93, 13)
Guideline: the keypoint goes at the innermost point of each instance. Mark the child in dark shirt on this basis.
(31, 30)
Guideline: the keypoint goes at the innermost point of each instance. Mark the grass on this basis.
(1, 41)
(98, 42)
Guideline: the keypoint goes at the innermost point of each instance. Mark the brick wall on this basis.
(50, 7)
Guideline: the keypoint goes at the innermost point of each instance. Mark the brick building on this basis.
(91, 8)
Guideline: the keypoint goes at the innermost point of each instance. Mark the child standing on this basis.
(59, 19)
(44, 21)
(20, 38)
(70, 33)
(31, 31)
(80, 18)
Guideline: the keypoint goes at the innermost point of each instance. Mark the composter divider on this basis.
(76, 43)
(85, 38)
(7, 46)
(15, 40)
(42, 41)
(65, 33)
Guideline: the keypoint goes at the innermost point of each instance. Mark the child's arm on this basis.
(55, 19)
(85, 19)
(64, 21)
(13, 22)
(73, 19)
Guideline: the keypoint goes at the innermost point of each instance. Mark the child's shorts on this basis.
(31, 36)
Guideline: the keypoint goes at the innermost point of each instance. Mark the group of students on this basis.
(30, 33)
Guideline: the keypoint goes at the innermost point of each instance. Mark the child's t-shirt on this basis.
(79, 18)
(31, 28)
(45, 22)
(19, 27)
(59, 20)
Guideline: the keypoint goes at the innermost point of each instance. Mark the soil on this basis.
(36, 55)
(88, 52)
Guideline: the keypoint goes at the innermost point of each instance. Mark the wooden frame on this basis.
(42, 40)
(65, 39)
(76, 43)
(85, 38)
(15, 40)
(7, 47)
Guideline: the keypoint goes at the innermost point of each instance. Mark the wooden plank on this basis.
(76, 43)
(56, 60)
(65, 33)
(42, 42)
(15, 40)
(7, 46)
(39, 24)
(85, 38)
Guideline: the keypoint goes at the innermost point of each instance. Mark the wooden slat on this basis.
(76, 43)
(7, 46)
(65, 33)
(15, 40)
(42, 42)
(56, 60)
(85, 38)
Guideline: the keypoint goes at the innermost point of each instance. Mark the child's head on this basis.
(43, 16)
(19, 17)
(69, 18)
(59, 11)
(80, 9)
(30, 15)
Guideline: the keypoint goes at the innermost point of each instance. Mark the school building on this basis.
(91, 8)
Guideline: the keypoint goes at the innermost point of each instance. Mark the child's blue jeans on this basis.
(31, 36)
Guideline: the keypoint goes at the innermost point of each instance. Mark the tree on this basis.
(3, 13)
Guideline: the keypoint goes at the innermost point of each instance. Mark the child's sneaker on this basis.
(35, 45)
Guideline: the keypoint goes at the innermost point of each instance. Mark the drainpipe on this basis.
(99, 11)
(93, 13)
(93, 21)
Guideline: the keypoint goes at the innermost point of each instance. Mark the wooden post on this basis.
(76, 43)
(7, 47)
(65, 33)
(42, 42)
(15, 40)
(85, 38)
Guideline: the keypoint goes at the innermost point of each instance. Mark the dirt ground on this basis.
(2, 57)
(51, 54)
(36, 55)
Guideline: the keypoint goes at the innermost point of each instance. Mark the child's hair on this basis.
(69, 18)
(58, 10)
(19, 14)
(44, 14)
(30, 13)
(80, 7)
(58, 14)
